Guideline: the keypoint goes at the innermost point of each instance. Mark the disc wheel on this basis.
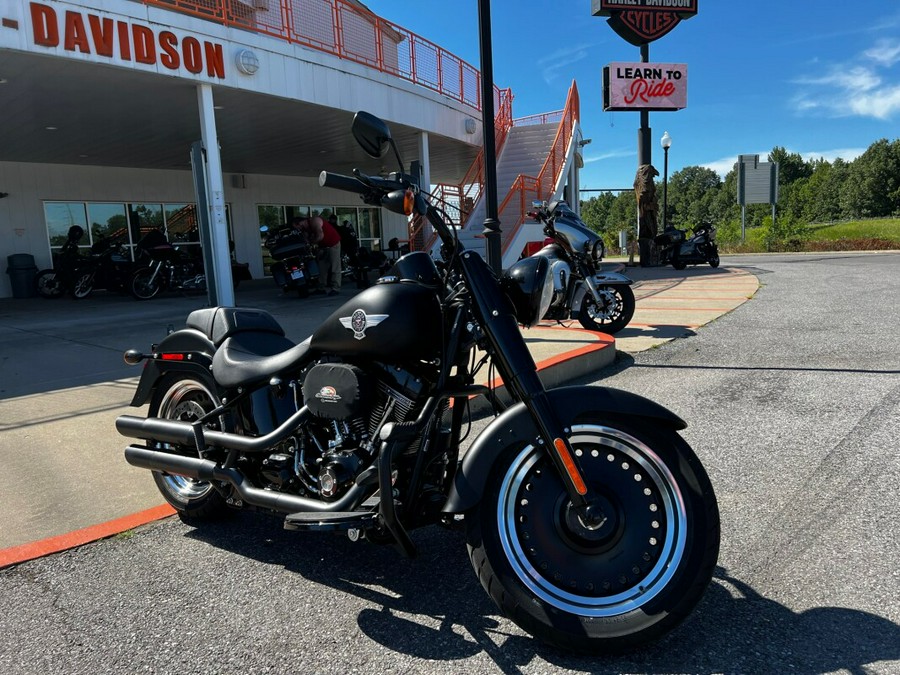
(143, 285)
(605, 587)
(186, 398)
(48, 284)
(612, 314)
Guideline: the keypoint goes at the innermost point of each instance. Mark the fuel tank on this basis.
(396, 321)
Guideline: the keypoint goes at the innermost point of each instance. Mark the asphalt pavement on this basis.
(792, 403)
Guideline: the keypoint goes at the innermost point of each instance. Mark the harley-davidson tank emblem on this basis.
(359, 321)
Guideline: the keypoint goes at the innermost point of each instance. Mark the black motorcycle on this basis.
(601, 301)
(590, 521)
(108, 266)
(295, 266)
(165, 267)
(679, 250)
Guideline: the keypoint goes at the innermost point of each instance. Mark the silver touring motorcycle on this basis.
(589, 521)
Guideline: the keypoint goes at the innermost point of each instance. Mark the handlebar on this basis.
(341, 182)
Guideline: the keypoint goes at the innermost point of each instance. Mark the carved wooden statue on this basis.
(648, 210)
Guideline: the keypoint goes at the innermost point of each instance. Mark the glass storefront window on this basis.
(181, 224)
(144, 218)
(60, 216)
(108, 221)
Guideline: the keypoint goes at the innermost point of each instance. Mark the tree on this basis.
(791, 166)
(872, 186)
(595, 210)
(693, 196)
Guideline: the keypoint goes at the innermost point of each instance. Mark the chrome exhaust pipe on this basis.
(204, 469)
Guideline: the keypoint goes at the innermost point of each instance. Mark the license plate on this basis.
(296, 274)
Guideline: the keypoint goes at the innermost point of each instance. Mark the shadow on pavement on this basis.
(434, 608)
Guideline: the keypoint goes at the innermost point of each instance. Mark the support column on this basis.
(219, 277)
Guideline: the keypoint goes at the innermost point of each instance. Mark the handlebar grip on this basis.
(341, 182)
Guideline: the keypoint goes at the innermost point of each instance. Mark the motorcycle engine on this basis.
(349, 406)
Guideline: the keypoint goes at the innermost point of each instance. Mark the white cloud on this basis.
(865, 88)
(885, 52)
(553, 64)
(612, 154)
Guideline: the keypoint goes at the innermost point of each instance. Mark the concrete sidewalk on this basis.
(63, 382)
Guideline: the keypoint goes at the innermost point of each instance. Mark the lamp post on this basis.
(666, 142)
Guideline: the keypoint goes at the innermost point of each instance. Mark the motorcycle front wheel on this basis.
(142, 285)
(83, 286)
(607, 588)
(48, 284)
(713, 258)
(613, 314)
(186, 398)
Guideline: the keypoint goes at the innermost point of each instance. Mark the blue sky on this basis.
(821, 78)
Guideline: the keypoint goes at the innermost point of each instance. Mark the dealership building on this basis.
(105, 100)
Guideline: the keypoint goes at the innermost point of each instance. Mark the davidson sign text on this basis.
(643, 21)
(119, 40)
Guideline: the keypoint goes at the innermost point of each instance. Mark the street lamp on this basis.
(666, 142)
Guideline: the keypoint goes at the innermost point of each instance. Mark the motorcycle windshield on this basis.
(571, 228)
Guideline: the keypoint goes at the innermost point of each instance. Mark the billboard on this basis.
(645, 86)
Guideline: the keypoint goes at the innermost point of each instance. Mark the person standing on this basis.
(328, 239)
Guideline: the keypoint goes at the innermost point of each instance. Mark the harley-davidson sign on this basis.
(643, 21)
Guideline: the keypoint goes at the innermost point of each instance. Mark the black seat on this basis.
(220, 323)
(252, 358)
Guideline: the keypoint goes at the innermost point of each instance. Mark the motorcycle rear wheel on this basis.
(614, 316)
(186, 398)
(141, 286)
(608, 588)
(48, 284)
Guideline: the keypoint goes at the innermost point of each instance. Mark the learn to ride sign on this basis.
(645, 86)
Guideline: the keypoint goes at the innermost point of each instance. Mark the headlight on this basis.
(529, 286)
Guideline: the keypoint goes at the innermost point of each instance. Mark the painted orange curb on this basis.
(44, 547)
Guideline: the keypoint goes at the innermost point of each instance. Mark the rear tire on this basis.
(678, 264)
(141, 286)
(608, 588)
(614, 315)
(48, 284)
(186, 398)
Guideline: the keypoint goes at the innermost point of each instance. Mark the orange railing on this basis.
(348, 30)
(459, 199)
(526, 189)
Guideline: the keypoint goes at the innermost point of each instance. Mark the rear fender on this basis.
(184, 351)
(515, 427)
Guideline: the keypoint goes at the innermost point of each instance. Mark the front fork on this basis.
(519, 371)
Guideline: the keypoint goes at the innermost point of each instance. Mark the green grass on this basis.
(888, 229)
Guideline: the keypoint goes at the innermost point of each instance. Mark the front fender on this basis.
(515, 426)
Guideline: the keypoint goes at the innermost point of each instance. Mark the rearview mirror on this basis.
(371, 133)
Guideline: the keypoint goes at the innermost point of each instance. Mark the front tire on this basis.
(608, 588)
(613, 314)
(186, 398)
(83, 286)
(143, 285)
(713, 258)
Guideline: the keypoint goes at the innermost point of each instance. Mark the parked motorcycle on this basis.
(676, 248)
(295, 267)
(168, 268)
(601, 301)
(590, 521)
(107, 267)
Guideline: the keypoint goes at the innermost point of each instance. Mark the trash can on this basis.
(21, 270)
